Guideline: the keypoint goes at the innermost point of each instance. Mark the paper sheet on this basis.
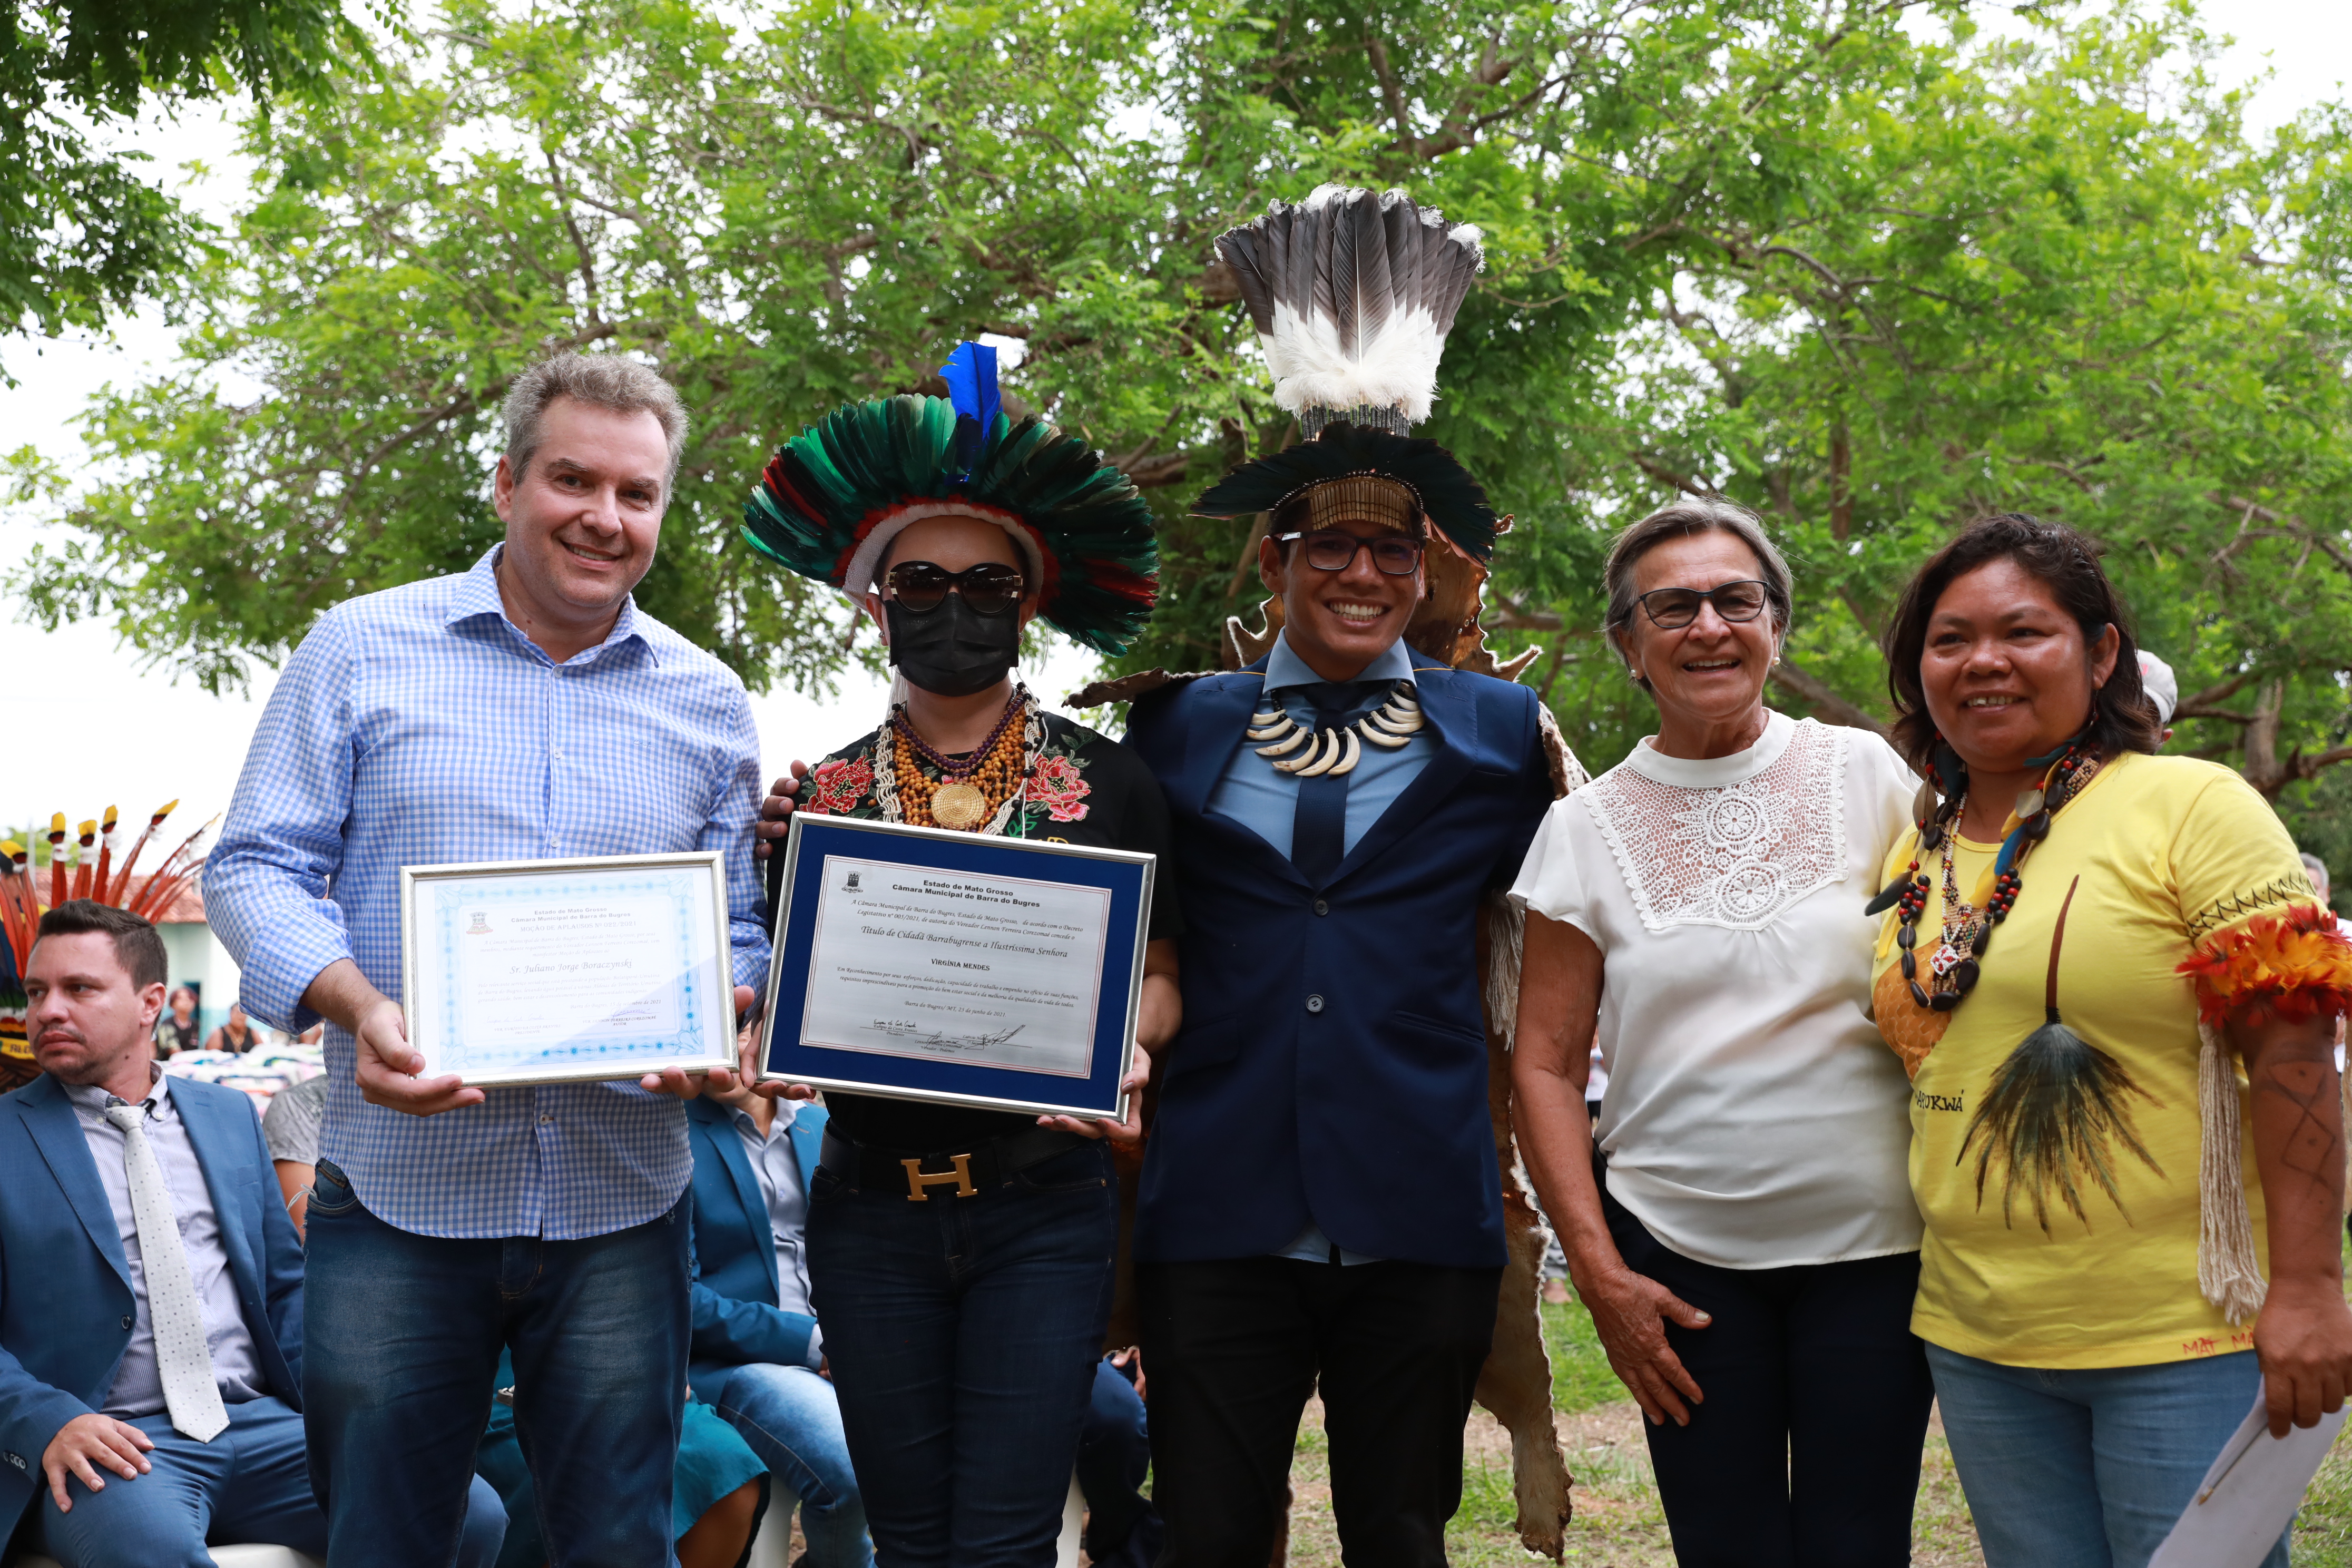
(2249, 1495)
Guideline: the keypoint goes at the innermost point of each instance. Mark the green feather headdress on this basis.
(833, 496)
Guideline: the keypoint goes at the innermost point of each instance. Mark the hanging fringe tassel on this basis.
(2228, 1271)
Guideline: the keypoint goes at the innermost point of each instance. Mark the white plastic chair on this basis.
(772, 1548)
(226, 1556)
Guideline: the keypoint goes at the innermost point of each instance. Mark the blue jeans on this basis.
(250, 1486)
(402, 1334)
(963, 1334)
(1114, 1457)
(2090, 1467)
(791, 1419)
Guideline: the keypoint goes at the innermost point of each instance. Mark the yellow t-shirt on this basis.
(2168, 850)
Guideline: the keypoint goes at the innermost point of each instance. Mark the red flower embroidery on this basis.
(834, 787)
(1060, 788)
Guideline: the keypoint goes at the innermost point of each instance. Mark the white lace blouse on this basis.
(1753, 1117)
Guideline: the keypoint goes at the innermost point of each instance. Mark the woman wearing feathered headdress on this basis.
(963, 1330)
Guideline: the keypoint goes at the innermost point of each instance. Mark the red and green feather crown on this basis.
(829, 489)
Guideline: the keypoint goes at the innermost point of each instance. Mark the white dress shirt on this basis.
(138, 1388)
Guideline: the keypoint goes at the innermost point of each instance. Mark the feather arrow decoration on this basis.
(1352, 292)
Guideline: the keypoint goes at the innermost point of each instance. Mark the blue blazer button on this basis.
(128, 1319)
(1315, 1004)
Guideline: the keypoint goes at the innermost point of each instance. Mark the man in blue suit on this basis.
(1321, 1202)
(757, 1352)
(151, 1286)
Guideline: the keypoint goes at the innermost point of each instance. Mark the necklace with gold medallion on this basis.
(934, 790)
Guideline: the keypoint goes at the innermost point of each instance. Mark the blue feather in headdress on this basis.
(970, 376)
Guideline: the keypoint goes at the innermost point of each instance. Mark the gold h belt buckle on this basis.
(917, 1181)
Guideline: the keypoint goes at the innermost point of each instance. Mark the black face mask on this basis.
(953, 650)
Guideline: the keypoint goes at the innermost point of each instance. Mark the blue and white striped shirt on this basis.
(419, 727)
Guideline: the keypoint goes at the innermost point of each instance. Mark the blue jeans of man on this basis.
(2087, 1466)
(249, 1485)
(1123, 1531)
(791, 1419)
(963, 1334)
(402, 1334)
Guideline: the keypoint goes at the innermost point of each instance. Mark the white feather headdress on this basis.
(1352, 292)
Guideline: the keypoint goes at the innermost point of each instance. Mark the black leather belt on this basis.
(965, 1172)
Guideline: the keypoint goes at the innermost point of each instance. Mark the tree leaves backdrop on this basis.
(1864, 266)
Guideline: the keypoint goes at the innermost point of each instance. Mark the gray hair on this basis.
(1684, 518)
(2317, 869)
(605, 381)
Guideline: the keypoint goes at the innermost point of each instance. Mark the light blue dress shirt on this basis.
(1263, 798)
(777, 1169)
(419, 727)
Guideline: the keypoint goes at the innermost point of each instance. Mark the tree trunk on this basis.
(2261, 767)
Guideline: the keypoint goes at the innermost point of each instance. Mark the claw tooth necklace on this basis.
(1955, 966)
(1305, 752)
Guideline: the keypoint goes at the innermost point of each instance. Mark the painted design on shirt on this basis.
(1737, 856)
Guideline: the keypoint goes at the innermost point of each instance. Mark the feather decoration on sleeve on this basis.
(2296, 965)
(1352, 292)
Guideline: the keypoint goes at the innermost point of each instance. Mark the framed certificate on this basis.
(553, 970)
(942, 967)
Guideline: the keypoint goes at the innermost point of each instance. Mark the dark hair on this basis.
(2123, 718)
(136, 945)
(1684, 518)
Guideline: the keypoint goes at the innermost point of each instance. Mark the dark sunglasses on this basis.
(1393, 554)
(1672, 608)
(921, 587)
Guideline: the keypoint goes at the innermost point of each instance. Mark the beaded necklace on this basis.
(1967, 924)
(970, 791)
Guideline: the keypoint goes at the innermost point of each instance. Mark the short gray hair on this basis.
(1682, 520)
(605, 381)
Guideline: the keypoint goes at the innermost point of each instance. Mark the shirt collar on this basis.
(1284, 668)
(478, 597)
(785, 1111)
(91, 1098)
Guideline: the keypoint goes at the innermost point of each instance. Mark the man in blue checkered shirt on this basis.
(526, 709)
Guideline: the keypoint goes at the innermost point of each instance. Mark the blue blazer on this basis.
(736, 1318)
(1332, 1061)
(65, 1305)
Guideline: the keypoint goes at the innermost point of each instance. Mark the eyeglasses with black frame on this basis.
(922, 586)
(1329, 550)
(1671, 609)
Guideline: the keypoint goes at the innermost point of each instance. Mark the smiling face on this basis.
(1711, 672)
(1338, 622)
(585, 515)
(2006, 671)
(86, 1016)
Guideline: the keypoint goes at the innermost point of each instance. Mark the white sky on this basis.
(92, 729)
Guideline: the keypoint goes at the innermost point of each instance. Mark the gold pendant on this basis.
(959, 805)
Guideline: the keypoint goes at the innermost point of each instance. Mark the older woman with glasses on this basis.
(1741, 1228)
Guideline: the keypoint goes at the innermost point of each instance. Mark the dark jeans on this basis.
(402, 1337)
(1807, 1447)
(1114, 1457)
(1234, 1347)
(963, 1334)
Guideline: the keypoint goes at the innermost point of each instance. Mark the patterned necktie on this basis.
(1318, 827)
(181, 1358)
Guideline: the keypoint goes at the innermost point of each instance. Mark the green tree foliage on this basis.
(1857, 265)
(80, 234)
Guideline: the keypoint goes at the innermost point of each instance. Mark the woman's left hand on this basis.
(2303, 1338)
(1125, 1134)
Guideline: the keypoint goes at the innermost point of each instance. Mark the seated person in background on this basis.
(290, 1127)
(757, 1352)
(177, 1029)
(719, 1492)
(238, 1034)
(1123, 1531)
(150, 1296)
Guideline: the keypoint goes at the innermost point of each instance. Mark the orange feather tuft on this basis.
(2298, 966)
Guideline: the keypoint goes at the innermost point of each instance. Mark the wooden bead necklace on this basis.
(967, 791)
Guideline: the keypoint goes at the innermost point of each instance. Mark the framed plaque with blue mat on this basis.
(936, 965)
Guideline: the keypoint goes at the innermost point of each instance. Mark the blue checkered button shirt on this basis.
(418, 727)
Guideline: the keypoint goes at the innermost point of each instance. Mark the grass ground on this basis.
(1618, 1523)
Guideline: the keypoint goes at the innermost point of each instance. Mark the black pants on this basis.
(1233, 1349)
(1806, 1451)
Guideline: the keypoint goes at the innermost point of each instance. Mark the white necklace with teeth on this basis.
(1307, 752)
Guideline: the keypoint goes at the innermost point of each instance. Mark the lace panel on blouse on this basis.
(1735, 856)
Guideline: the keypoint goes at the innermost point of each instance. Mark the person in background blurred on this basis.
(2163, 688)
(177, 1030)
(237, 1033)
(290, 1127)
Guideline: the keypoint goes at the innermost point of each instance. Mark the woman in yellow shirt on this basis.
(2083, 937)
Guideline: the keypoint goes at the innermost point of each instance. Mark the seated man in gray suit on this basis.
(151, 1286)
